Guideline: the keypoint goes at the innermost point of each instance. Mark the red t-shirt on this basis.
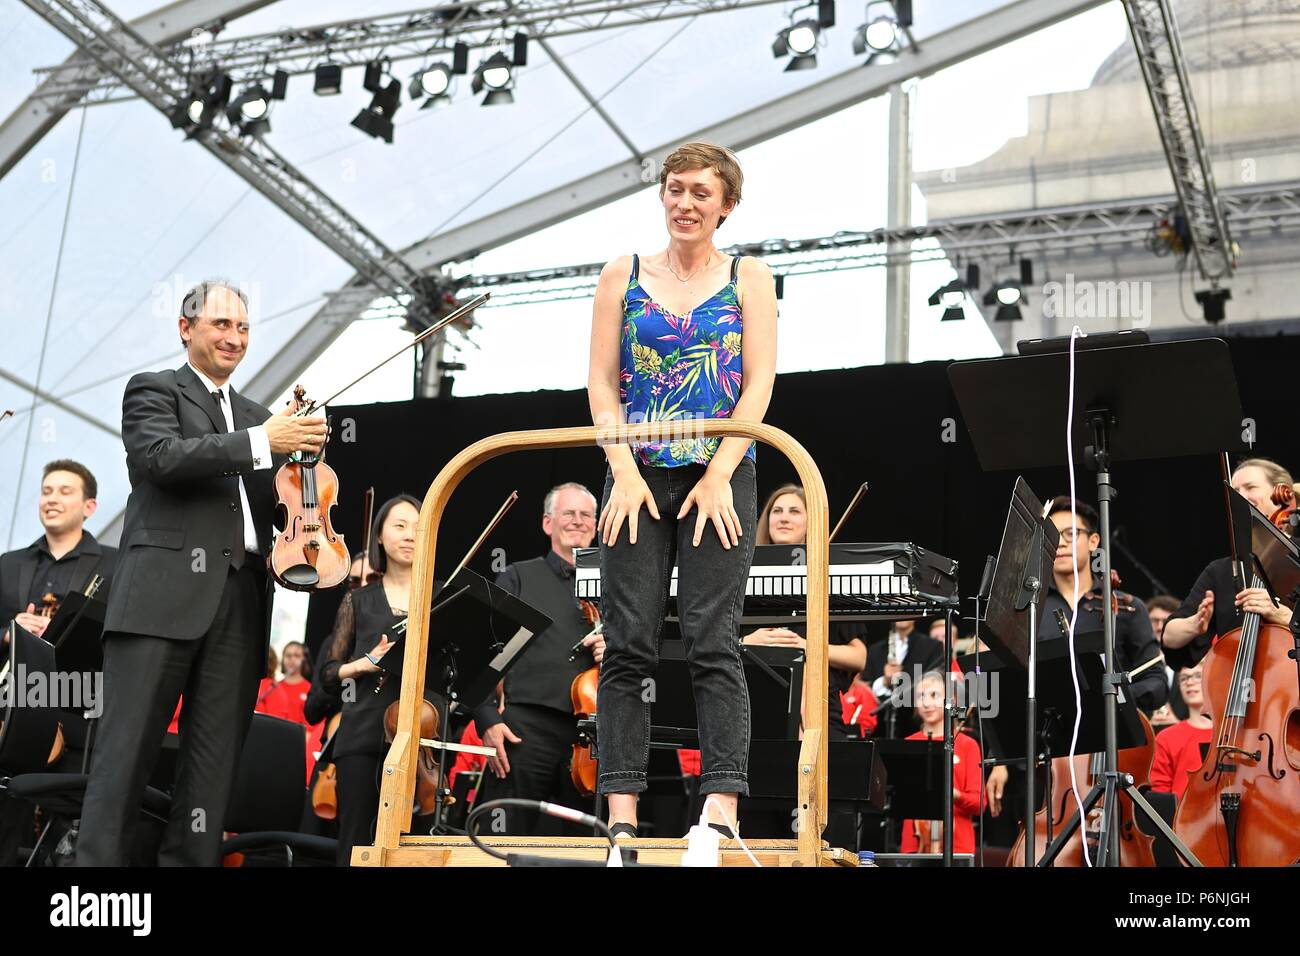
(1178, 753)
(966, 780)
(283, 700)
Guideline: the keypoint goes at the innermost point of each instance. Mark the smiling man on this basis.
(61, 560)
(189, 607)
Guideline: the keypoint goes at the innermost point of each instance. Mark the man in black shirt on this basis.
(64, 558)
(1135, 644)
(535, 731)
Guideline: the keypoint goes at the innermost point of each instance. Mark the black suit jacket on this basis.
(921, 649)
(183, 516)
(17, 569)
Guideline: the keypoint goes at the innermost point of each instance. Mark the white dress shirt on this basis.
(880, 687)
(261, 446)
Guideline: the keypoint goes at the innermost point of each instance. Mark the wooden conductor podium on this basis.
(395, 846)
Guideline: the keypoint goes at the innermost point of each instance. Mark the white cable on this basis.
(735, 826)
(1074, 614)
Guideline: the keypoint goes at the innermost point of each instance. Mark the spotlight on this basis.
(329, 79)
(432, 83)
(1007, 296)
(1211, 303)
(951, 297)
(374, 77)
(496, 76)
(248, 112)
(882, 33)
(279, 84)
(209, 93)
(799, 40)
(377, 119)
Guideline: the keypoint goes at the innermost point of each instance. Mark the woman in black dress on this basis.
(362, 635)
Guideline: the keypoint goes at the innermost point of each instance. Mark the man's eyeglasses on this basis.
(1070, 534)
(1193, 677)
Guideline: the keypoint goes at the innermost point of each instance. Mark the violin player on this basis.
(534, 733)
(64, 558)
(1135, 644)
(35, 579)
(188, 610)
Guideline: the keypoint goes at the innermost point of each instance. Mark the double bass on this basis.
(1239, 808)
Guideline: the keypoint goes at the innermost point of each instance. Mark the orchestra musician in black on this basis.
(189, 608)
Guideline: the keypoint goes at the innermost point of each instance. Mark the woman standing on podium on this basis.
(666, 345)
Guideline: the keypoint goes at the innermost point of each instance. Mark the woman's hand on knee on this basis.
(629, 493)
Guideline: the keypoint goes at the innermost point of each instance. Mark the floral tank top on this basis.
(680, 368)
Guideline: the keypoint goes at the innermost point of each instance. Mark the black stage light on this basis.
(1211, 302)
(495, 75)
(329, 79)
(377, 119)
(951, 296)
(279, 84)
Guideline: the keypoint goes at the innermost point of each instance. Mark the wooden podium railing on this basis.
(398, 787)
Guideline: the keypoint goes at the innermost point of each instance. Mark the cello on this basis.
(1134, 845)
(1239, 807)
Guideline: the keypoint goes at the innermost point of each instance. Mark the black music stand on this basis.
(477, 632)
(1019, 588)
(913, 775)
(1140, 401)
(77, 633)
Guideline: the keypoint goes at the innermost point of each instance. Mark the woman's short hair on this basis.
(706, 156)
(763, 535)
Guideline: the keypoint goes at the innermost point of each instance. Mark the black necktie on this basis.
(220, 397)
(237, 553)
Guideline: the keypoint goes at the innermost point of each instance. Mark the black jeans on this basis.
(710, 589)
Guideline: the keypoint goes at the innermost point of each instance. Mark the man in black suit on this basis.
(188, 610)
(63, 559)
(905, 651)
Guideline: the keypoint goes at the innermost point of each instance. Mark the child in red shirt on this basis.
(1178, 748)
(967, 789)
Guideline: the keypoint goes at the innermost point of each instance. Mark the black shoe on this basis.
(622, 829)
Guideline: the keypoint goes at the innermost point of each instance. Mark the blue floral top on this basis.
(680, 368)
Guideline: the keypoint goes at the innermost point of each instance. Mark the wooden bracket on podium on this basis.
(394, 846)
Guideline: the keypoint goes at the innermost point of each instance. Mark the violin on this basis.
(1239, 807)
(309, 554)
(324, 790)
(582, 694)
(428, 768)
(1134, 845)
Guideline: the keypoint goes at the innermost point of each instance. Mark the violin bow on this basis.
(400, 626)
(496, 520)
(1238, 562)
(438, 326)
(6, 413)
(368, 506)
(848, 511)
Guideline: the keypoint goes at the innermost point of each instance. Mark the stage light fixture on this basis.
(209, 94)
(883, 30)
(279, 84)
(800, 39)
(495, 75)
(951, 296)
(1211, 303)
(377, 119)
(329, 79)
(249, 111)
(432, 84)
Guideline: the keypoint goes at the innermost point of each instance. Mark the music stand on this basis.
(1140, 401)
(477, 632)
(913, 775)
(1020, 576)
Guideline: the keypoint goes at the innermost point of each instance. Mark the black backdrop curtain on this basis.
(882, 424)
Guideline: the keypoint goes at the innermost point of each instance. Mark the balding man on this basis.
(188, 609)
